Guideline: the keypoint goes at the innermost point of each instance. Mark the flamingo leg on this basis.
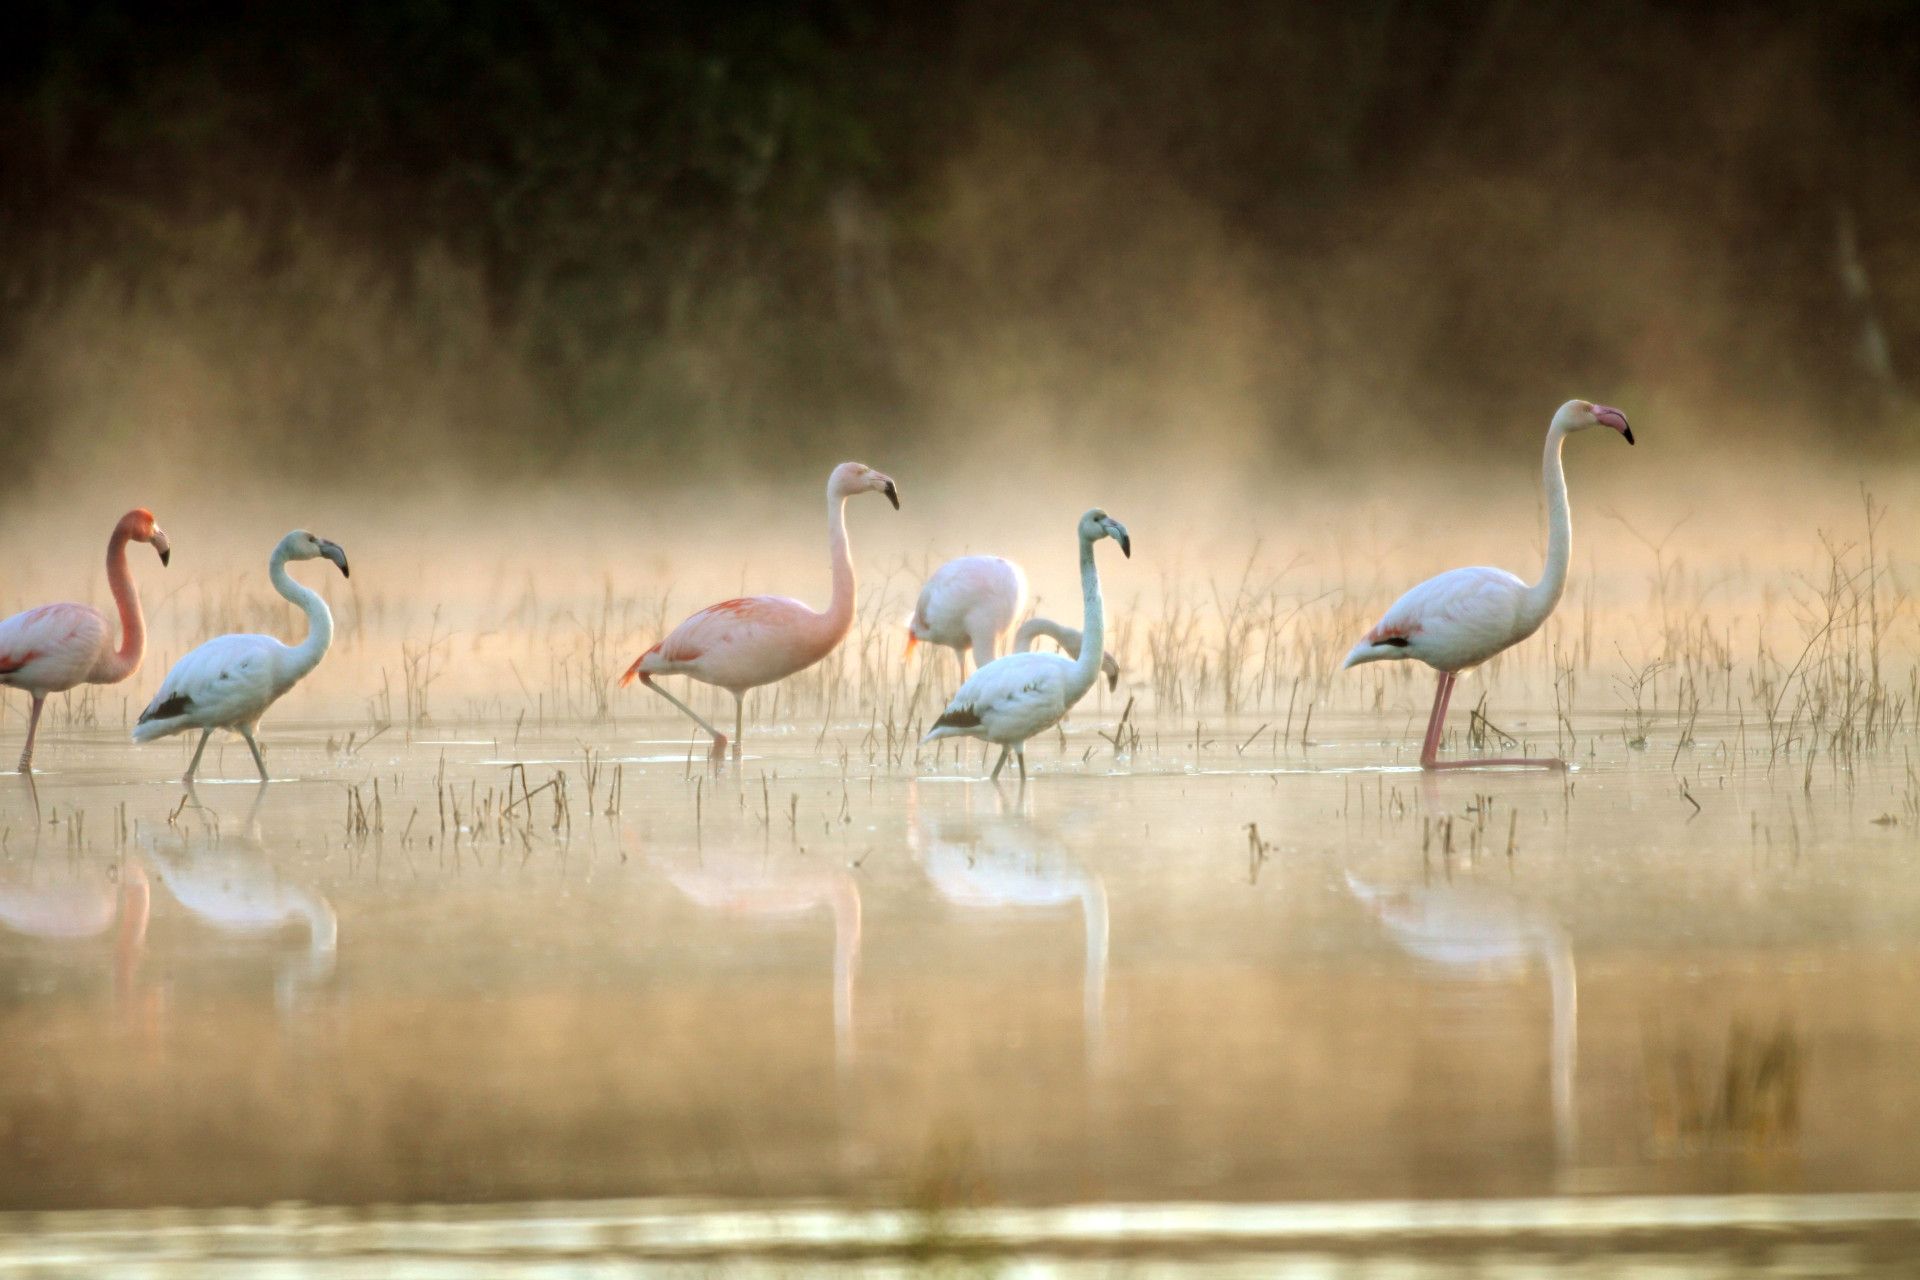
(1437, 721)
(739, 721)
(1000, 764)
(1021, 756)
(719, 738)
(254, 747)
(197, 751)
(1436, 727)
(33, 724)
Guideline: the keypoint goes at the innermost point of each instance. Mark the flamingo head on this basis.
(1110, 669)
(850, 478)
(301, 545)
(141, 527)
(1097, 524)
(1578, 415)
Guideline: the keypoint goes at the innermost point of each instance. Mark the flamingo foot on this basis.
(1497, 762)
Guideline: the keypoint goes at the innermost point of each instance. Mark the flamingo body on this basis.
(968, 605)
(56, 647)
(53, 648)
(1453, 621)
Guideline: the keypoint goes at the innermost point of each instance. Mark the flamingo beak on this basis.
(893, 495)
(1118, 532)
(161, 545)
(1606, 415)
(912, 640)
(332, 551)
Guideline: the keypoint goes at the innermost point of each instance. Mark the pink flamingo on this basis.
(57, 646)
(1458, 620)
(745, 643)
(969, 603)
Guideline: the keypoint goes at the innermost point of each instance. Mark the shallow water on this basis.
(1222, 969)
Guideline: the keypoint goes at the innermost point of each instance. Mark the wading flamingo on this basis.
(1456, 621)
(57, 646)
(1012, 698)
(755, 640)
(230, 681)
(970, 602)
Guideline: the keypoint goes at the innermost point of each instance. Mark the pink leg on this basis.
(1430, 750)
(1436, 721)
(33, 724)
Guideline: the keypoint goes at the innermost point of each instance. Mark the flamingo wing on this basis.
(52, 648)
(228, 681)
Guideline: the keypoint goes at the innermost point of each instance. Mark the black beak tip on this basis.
(343, 571)
(1126, 547)
(1628, 433)
(1113, 682)
(893, 495)
(166, 557)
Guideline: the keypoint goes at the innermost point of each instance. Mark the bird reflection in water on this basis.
(1476, 932)
(1009, 862)
(764, 887)
(233, 884)
(63, 901)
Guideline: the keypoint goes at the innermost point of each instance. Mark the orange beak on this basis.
(912, 640)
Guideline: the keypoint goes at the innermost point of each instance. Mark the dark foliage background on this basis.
(503, 237)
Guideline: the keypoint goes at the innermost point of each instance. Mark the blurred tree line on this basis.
(536, 235)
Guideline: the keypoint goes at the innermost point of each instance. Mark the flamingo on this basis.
(230, 681)
(57, 646)
(1458, 620)
(1011, 699)
(745, 643)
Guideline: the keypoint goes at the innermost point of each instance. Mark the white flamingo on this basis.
(1458, 620)
(230, 681)
(1013, 698)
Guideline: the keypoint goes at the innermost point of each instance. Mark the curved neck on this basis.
(125, 660)
(1093, 633)
(306, 654)
(1033, 628)
(839, 615)
(1543, 595)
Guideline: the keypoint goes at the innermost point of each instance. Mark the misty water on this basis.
(566, 962)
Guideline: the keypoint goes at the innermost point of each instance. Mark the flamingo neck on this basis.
(1543, 595)
(1033, 628)
(1093, 910)
(1566, 1036)
(125, 660)
(839, 615)
(306, 655)
(1093, 633)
